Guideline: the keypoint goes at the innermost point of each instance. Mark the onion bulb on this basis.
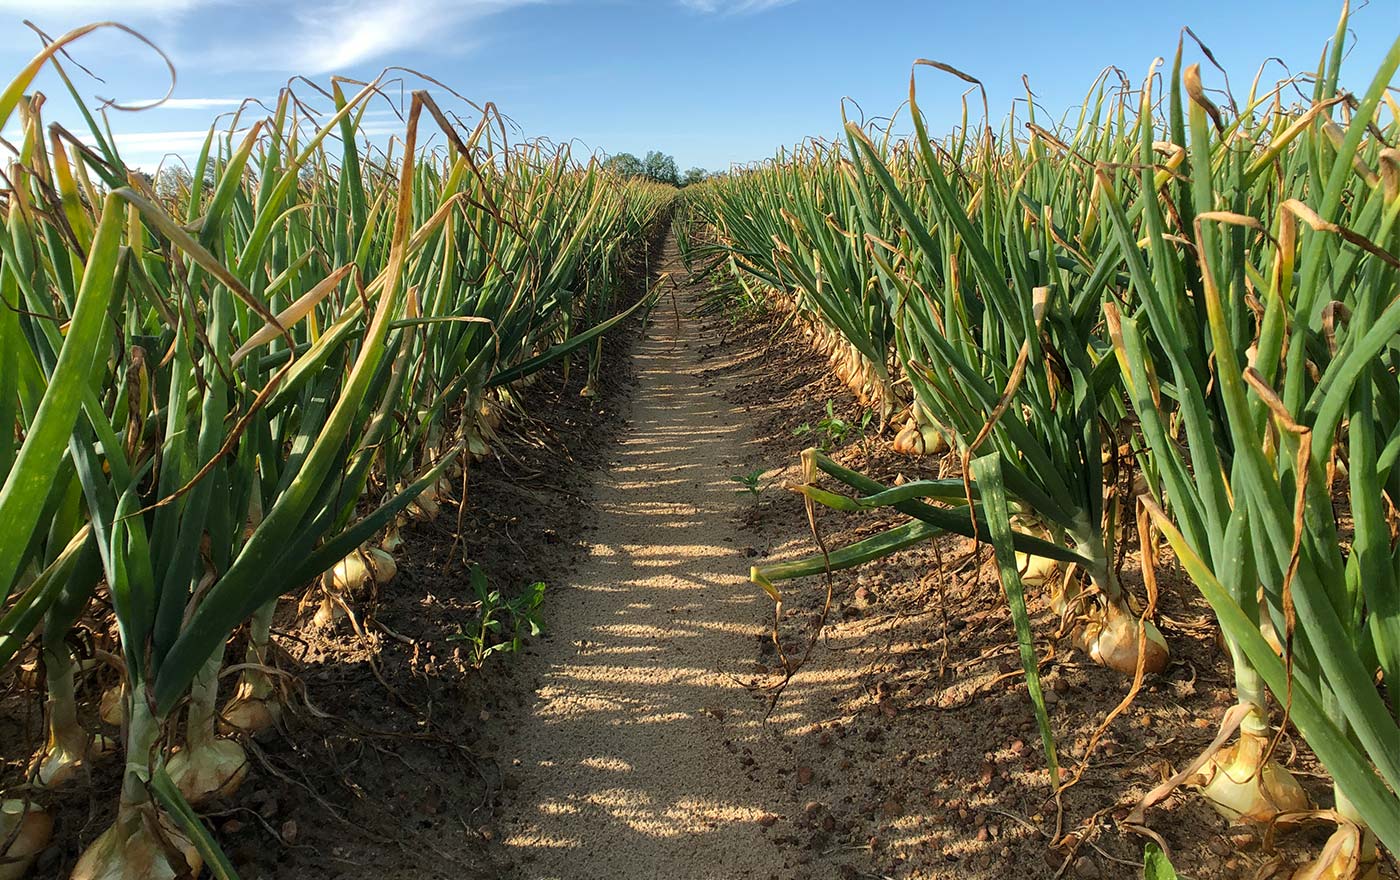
(361, 568)
(919, 436)
(66, 752)
(111, 708)
(351, 574)
(256, 705)
(917, 439)
(209, 769)
(1240, 785)
(143, 844)
(393, 538)
(67, 746)
(1036, 571)
(1110, 638)
(1347, 855)
(490, 414)
(35, 828)
(248, 711)
(425, 507)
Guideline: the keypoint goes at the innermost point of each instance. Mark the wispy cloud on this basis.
(188, 103)
(326, 37)
(188, 141)
(127, 8)
(734, 7)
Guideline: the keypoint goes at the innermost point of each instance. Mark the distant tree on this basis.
(694, 175)
(625, 164)
(661, 168)
(656, 166)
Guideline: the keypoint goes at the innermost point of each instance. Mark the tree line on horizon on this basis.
(657, 166)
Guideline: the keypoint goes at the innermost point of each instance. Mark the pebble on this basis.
(804, 775)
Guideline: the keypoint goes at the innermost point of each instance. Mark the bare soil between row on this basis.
(653, 732)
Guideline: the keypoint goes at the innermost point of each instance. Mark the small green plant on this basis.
(751, 482)
(831, 431)
(501, 623)
(1156, 865)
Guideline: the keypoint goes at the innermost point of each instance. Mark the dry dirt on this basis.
(661, 741)
(627, 755)
(648, 734)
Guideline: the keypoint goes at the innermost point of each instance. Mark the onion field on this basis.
(1172, 322)
(1143, 356)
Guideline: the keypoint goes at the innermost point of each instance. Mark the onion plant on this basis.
(994, 317)
(223, 391)
(1277, 453)
(1207, 293)
(789, 224)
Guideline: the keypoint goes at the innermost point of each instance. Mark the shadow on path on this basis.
(630, 751)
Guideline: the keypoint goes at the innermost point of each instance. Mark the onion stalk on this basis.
(68, 746)
(255, 705)
(143, 843)
(207, 767)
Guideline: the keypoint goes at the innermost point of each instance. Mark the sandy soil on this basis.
(904, 747)
(625, 752)
(638, 738)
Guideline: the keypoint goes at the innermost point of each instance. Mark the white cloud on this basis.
(140, 147)
(334, 36)
(187, 103)
(124, 9)
(734, 7)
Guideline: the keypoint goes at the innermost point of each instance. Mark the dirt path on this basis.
(626, 753)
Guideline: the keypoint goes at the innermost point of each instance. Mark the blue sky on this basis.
(708, 81)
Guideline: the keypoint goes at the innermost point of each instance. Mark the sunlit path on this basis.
(625, 750)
